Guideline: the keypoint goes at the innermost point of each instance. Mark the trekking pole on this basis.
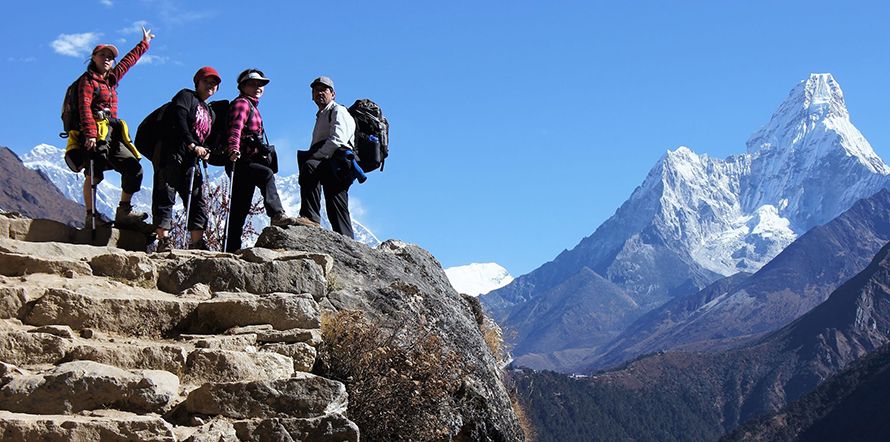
(188, 205)
(229, 208)
(92, 198)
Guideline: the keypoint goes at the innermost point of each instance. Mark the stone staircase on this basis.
(103, 344)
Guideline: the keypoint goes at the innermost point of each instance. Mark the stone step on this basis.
(44, 230)
(76, 386)
(222, 272)
(113, 307)
(176, 271)
(284, 311)
(327, 428)
(304, 395)
(302, 354)
(25, 346)
(113, 427)
(206, 365)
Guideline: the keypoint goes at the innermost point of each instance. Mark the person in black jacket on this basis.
(187, 122)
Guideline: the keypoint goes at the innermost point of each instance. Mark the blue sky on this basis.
(517, 127)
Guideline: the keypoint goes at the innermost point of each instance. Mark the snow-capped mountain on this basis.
(50, 160)
(477, 279)
(696, 219)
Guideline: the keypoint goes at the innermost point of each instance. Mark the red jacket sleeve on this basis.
(128, 61)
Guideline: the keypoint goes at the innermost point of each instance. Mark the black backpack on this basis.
(150, 131)
(217, 141)
(371, 134)
(70, 111)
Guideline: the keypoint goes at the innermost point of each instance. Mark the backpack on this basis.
(150, 131)
(217, 141)
(70, 111)
(371, 134)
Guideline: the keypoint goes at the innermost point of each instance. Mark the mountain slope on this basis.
(696, 219)
(568, 315)
(850, 405)
(800, 278)
(693, 396)
(785, 364)
(33, 194)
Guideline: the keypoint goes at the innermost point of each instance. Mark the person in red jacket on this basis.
(97, 102)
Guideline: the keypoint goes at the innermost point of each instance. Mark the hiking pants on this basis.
(116, 155)
(172, 179)
(249, 176)
(336, 196)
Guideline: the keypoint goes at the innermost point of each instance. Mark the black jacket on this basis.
(181, 123)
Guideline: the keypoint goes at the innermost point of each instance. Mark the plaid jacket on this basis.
(104, 89)
(239, 127)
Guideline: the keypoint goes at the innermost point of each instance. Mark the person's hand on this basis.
(90, 144)
(202, 152)
(234, 155)
(147, 35)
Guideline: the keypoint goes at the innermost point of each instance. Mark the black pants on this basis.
(171, 179)
(114, 154)
(249, 176)
(317, 175)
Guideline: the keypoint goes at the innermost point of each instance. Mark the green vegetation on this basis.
(850, 405)
(562, 408)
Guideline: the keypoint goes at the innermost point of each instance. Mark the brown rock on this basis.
(327, 428)
(85, 385)
(122, 427)
(282, 310)
(206, 365)
(304, 395)
(302, 354)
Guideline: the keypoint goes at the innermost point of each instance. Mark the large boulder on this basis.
(403, 285)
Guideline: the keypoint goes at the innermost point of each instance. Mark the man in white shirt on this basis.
(334, 132)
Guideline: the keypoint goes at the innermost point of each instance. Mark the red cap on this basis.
(207, 71)
(110, 47)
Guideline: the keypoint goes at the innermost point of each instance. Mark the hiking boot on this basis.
(102, 221)
(281, 219)
(165, 244)
(125, 215)
(307, 222)
(200, 245)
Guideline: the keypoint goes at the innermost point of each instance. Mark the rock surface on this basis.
(102, 344)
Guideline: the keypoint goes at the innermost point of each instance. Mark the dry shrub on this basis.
(528, 429)
(400, 379)
(493, 336)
